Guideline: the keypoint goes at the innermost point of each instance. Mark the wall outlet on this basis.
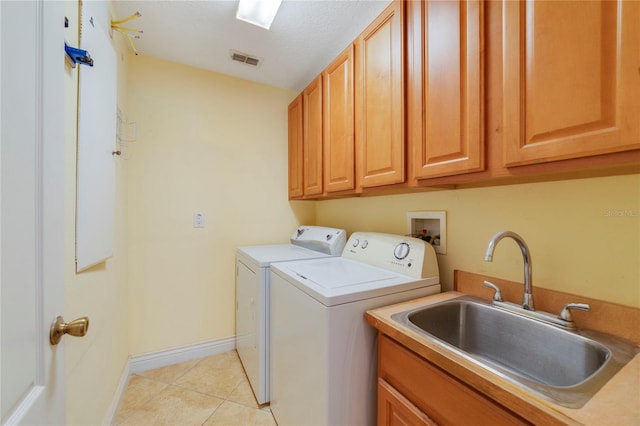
(430, 227)
(198, 220)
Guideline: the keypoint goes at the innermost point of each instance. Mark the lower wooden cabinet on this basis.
(413, 391)
(396, 410)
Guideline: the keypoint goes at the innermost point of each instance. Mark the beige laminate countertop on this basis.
(616, 403)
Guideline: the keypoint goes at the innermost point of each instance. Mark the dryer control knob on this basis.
(365, 244)
(356, 242)
(401, 251)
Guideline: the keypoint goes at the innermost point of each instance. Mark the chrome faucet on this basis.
(527, 298)
(563, 320)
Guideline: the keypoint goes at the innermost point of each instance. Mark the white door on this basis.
(31, 210)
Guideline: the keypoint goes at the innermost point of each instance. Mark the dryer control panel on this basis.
(320, 238)
(397, 253)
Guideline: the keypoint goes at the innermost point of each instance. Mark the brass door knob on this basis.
(77, 327)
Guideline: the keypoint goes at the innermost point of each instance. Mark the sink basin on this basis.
(563, 366)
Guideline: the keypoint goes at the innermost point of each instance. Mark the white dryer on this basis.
(323, 353)
(252, 294)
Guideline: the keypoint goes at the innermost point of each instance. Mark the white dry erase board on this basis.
(95, 202)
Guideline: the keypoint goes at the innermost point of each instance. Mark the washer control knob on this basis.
(356, 242)
(329, 237)
(401, 251)
(365, 244)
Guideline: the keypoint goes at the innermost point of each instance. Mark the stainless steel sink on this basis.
(565, 367)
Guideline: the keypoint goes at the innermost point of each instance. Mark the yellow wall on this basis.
(211, 143)
(584, 235)
(94, 363)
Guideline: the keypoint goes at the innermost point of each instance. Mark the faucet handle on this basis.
(497, 296)
(565, 314)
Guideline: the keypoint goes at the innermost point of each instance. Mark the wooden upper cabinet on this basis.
(295, 148)
(444, 88)
(312, 137)
(338, 122)
(380, 115)
(571, 79)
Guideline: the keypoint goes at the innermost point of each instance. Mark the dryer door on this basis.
(251, 326)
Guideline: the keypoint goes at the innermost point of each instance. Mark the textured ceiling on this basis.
(304, 38)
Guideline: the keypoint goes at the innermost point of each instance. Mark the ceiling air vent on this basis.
(245, 58)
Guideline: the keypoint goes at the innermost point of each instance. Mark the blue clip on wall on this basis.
(78, 56)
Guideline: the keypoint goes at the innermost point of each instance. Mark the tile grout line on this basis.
(227, 399)
(151, 396)
(174, 384)
(147, 398)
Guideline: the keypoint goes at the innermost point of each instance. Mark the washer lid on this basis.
(339, 273)
(335, 280)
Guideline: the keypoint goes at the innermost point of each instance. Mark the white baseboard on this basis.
(117, 396)
(151, 360)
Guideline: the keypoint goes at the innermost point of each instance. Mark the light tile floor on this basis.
(207, 391)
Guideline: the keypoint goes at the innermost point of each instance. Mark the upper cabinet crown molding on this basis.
(445, 87)
(571, 79)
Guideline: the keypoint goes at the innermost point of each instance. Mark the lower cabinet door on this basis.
(395, 410)
(445, 399)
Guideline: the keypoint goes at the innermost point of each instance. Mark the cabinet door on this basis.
(380, 115)
(436, 393)
(571, 83)
(312, 137)
(338, 122)
(295, 149)
(445, 103)
(396, 410)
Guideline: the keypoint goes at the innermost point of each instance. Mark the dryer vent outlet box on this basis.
(429, 226)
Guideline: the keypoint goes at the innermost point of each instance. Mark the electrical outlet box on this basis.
(198, 220)
(430, 227)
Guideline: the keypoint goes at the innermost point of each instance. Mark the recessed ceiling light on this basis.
(258, 12)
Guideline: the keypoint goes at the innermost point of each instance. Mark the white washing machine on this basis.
(252, 294)
(323, 353)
